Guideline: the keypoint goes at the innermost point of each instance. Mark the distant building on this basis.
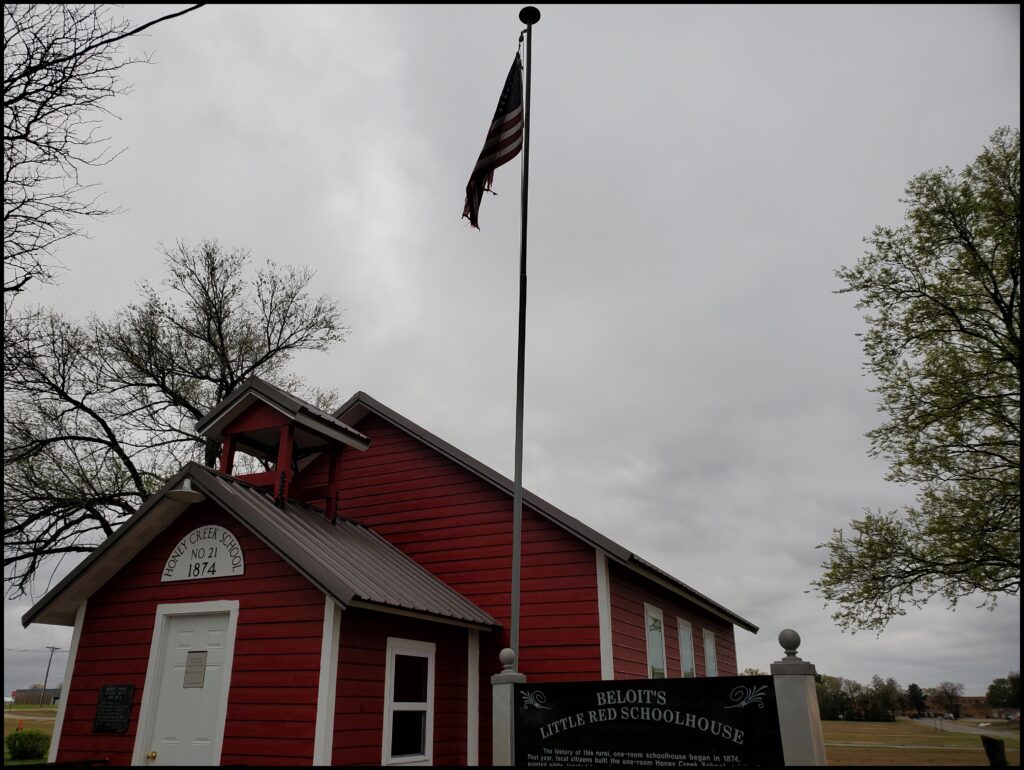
(37, 696)
(968, 707)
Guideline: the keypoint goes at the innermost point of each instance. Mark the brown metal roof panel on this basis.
(346, 559)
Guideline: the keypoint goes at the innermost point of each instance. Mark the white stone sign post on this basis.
(796, 699)
(803, 742)
(503, 709)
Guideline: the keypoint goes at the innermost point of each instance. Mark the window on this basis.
(710, 658)
(655, 642)
(686, 648)
(408, 703)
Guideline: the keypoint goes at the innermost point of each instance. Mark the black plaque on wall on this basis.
(113, 709)
(728, 720)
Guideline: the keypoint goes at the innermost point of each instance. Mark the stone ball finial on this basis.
(508, 659)
(790, 640)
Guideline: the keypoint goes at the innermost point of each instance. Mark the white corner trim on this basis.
(473, 700)
(604, 616)
(69, 671)
(151, 688)
(323, 742)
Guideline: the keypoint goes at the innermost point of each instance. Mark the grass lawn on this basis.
(906, 742)
(900, 743)
(31, 718)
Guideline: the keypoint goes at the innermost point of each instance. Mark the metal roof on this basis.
(306, 416)
(346, 560)
(361, 404)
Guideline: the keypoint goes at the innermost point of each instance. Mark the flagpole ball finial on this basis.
(529, 15)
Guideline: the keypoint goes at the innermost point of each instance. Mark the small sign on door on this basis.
(195, 669)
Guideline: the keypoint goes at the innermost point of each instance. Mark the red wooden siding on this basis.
(276, 666)
(258, 416)
(459, 527)
(359, 704)
(629, 641)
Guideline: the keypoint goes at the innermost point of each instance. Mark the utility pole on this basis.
(46, 678)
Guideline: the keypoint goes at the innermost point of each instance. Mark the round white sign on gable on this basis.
(205, 552)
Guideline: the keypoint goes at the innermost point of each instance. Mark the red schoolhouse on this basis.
(348, 605)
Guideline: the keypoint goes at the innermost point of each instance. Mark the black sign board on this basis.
(727, 720)
(113, 709)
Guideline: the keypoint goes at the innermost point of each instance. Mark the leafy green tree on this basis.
(884, 699)
(98, 414)
(916, 700)
(943, 341)
(1005, 693)
(833, 699)
(1014, 679)
(853, 693)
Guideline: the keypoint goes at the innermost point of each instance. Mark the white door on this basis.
(189, 700)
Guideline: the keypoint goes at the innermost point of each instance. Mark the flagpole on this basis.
(529, 16)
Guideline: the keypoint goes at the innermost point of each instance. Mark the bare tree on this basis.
(62, 63)
(98, 414)
(947, 695)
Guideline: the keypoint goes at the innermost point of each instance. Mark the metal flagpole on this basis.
(529, 16)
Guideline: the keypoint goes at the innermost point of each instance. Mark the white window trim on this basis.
(151, 688)
(687, 627)
(710, 635)
(651, 611)
(418, 649)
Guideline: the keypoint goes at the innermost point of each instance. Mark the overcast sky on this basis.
(694, 386)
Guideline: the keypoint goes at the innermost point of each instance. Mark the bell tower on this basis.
(285, 433)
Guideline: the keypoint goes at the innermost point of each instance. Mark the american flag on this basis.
(504, 141)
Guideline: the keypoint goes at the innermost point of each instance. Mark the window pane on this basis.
(408, 733)
(686, 649)
(655, 646)
(710, 658)
(410, 679)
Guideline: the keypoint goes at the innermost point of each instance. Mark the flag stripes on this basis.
(504, 141)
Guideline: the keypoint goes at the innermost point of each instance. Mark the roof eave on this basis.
(681, 589)
(59, 605)
(390, 609)
(221, 415)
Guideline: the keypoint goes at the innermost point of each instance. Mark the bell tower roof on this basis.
(255, 412)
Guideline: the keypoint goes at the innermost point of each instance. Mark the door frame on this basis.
(154, 671)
